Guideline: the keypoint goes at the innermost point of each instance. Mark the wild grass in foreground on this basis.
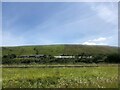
(83, 77)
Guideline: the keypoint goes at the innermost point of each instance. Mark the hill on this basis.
(59, 49)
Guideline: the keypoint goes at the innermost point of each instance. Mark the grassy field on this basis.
(82, 77)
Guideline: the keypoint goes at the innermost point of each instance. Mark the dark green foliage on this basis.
(8, 59)
(36, 50)
(113, 58)
(99, 58)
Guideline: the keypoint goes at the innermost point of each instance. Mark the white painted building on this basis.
(64, 56)
(72, 57)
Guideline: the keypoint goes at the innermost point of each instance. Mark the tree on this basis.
(37, 52)
(8, 59)
(113, 58)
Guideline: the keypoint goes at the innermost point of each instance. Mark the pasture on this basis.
(104, 76)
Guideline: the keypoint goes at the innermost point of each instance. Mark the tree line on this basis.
(12, 59)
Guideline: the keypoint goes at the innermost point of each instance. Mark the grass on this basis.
(59, 49)
(83, 77)
(29, 50)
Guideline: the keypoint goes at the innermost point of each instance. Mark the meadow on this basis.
(82, 77)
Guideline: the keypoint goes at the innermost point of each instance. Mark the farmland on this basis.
(100, 71)
(103, 76)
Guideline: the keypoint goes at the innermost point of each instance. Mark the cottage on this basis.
(40, 56)
(23, 56)
(85, 57)
(32, 56)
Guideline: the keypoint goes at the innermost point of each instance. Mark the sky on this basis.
(0, 24)
(46, 23)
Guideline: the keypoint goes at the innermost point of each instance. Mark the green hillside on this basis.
(59, 49)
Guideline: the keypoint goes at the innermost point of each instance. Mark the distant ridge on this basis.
(58, 44)
(57, 49)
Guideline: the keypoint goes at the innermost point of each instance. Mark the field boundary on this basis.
(46, 66)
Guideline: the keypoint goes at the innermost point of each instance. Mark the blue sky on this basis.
(47, 23)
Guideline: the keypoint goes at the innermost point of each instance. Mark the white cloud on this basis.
(89, 43)
(101, 39)
(98, 41)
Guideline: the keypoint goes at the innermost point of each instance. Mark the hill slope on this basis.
(59, 49)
